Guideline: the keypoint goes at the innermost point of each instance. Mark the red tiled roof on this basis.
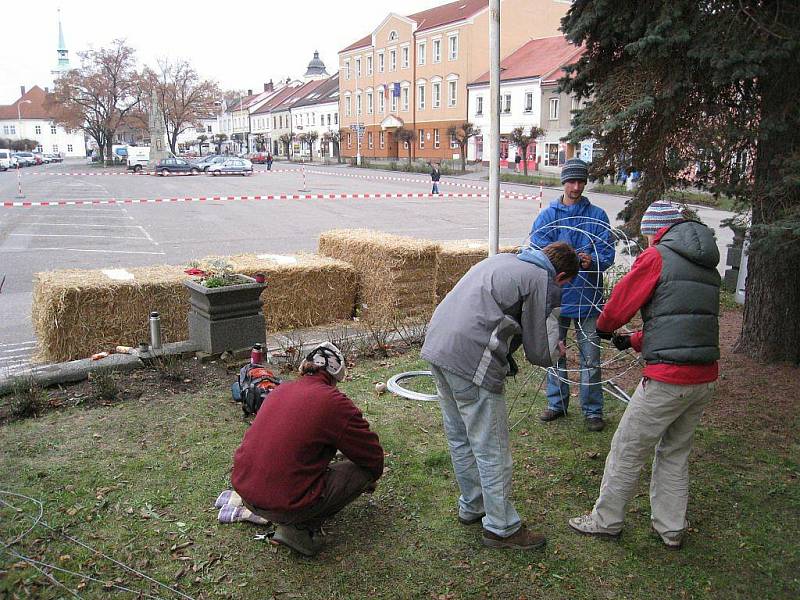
(35, 110)
(435, 17)
(276, 100)
(301, 92)
(543, 58)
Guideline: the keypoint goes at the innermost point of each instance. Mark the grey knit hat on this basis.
(661, 213)
(574, 168)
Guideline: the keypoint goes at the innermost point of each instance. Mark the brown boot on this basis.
(522, 539)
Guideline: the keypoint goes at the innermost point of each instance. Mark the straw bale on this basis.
(396, 273)
(76, 313)
(302, 290)
(457, 257)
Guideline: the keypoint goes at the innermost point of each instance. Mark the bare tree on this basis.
(99, 95)
(461, 134)
(522, 139)
(406, 136)
(218, 139)
(183, 97)
(286, 142)
(309, 138)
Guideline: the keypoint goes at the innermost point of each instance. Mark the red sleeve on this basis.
(636, 340)
(632, 291)
(357, 441)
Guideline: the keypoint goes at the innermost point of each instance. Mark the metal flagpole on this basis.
(494, 126)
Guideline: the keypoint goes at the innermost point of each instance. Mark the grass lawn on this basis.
(683, 196)
(553, 181)
(137, 481)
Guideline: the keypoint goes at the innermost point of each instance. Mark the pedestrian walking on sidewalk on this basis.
(436, 175)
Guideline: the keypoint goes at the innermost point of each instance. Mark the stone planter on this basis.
(226, 318)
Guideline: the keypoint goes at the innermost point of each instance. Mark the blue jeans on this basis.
(589, 350)
(435, 189)
(476, 423)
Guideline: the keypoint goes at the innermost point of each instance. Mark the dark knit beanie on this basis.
(661, 213)
(574, 168)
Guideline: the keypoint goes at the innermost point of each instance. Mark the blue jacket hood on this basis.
(538, 258)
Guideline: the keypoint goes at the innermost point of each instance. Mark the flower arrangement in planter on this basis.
(225, 311)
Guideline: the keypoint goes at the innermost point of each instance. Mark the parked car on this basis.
(258, 158)
(25, 159)
(7, 160)
(204, 163)
(138, 158)
(56, 158)
(175, 165)
(232, 166)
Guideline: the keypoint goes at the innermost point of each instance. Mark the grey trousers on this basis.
(344, 482)
(663, 416)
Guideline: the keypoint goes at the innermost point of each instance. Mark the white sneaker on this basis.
(586, 525)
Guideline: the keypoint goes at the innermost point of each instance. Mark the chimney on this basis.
(21, 90)
(249, 92)
(268, 86)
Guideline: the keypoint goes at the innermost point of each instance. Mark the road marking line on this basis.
(75, 235)
(81, 225)
(14, 344)
(80, 250)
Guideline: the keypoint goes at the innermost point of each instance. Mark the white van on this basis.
(138, 157)
(7, 160)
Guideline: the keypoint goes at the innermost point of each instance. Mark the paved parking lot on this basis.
(176, 219)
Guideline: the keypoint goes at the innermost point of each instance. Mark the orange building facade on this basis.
(412, 72)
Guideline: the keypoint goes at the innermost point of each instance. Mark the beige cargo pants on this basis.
(663, 415)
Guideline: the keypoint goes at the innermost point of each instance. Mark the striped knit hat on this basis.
(661, 213)
(574, 168)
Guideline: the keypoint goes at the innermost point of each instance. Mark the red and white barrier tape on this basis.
(364, 196)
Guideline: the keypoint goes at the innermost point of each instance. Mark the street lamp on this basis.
(20, 195)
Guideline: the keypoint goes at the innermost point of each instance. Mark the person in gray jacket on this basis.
(501, 303)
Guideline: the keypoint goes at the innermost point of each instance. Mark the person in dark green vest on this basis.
(675, 284)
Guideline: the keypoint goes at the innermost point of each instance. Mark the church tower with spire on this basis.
(63, 54)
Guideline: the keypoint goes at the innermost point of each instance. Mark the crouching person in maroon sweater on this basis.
(283, 469)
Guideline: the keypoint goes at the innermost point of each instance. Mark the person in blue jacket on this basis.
(573, 219)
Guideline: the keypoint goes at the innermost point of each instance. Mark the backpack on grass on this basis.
(252, 387)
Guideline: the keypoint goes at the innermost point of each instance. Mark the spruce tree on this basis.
(704, 94)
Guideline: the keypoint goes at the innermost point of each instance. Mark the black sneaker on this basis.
(595, 423)
(551, 415)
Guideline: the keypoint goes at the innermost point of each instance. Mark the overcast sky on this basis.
(241, 45)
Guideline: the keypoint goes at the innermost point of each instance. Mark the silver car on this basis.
(232, 166)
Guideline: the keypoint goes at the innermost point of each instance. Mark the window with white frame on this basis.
(553, 109)
(335, 118)
(381, 102)
(436, 91)
(421, 96)
(55, 149)
(348, 107)
(358, 103)
(10, 129)
(528, 102)
(382, 139)
(404, 93)
(392, 35)
(347, 69)
(436, 138)
(421, 53)
(69, 147)
(394, 103)
(369, 64)
(358, 66)
(40, 148)
(421, 138)
(437, 51)
(38, 130)
(208, 128)
(370, 143)
(478, 105)
(507, 103)
(381, 62)
(404, 53)
(392, 60)
(452, 47)
(452, 90)
(369, 103)
(52, 129)
(349, 140)
(453, 141)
